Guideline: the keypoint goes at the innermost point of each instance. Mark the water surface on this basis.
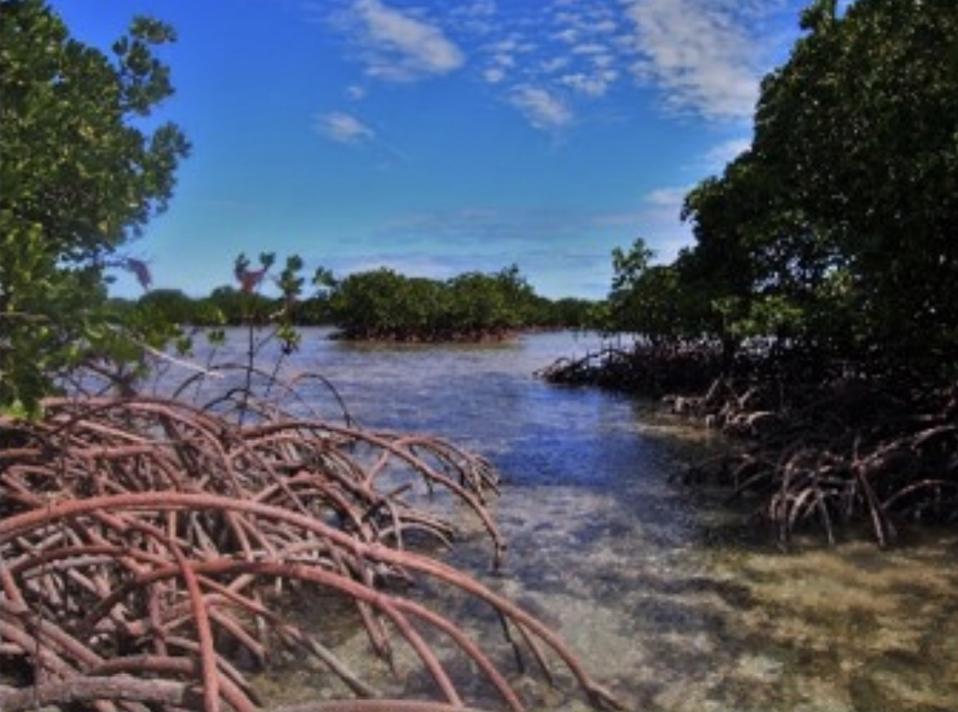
(660, 589)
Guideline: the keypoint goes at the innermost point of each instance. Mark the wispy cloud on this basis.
(563, 250)
(342, 127)
(667, 198)
(478, 225)
(401, 47)
(503, 59)
(475, 17)
(554, 64)
(569, 35)
(477, 8)
(355, 92)
(543, 109)
(494, 75)
(703, 54)
(656, 219)
(603, 27)
(575, 60)
(590, 48)
(718, 156)
(590, 84)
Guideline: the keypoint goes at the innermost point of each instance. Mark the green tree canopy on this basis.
(860, 131)
(383, 304)
(80, 177)
(836, 231)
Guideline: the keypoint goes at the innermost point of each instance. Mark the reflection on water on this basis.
(656, 587)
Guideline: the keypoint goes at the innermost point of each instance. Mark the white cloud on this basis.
(590, 48)
(705, 56)
(554, 64)
(342, 127)
(400, 47)
(543, 110)
(510, 44)
(479, 8)
(666, 197)
(500, 62)
(590, 85)
(718, 156)
(568, 35)
(657, 219)
(702, 53)
(602, 60)
(604, 27)
(493, 75)
(477, 18)
(625, 43)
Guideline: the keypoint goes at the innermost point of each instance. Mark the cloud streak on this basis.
(705, 57)
(703, 54)
(718, 156)
(593, 85)
(343, 128)
(669, 198)
(543, 109)
(400, 47)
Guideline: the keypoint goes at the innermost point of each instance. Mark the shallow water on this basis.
(661, 591)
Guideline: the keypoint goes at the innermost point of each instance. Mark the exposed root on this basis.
(142, 542)
(652, 371)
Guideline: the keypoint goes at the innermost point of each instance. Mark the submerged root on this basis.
(819, 445)
(842, 454)
(142, 543)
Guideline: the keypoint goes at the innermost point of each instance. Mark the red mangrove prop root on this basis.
(143, 542)
(816, 443)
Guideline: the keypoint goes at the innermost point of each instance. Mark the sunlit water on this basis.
(668, 599)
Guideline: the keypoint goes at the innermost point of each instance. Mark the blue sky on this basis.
(438, 137)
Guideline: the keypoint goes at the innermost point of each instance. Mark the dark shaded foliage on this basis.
(834, 234)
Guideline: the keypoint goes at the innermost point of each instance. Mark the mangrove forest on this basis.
(380, 305)
(816, 313)
(717, 477)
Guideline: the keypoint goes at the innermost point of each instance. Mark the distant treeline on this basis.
(383, 304)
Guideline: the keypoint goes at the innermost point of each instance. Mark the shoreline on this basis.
(465, 339)
(827, 451)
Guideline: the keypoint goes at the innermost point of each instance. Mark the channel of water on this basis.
(668, 595)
